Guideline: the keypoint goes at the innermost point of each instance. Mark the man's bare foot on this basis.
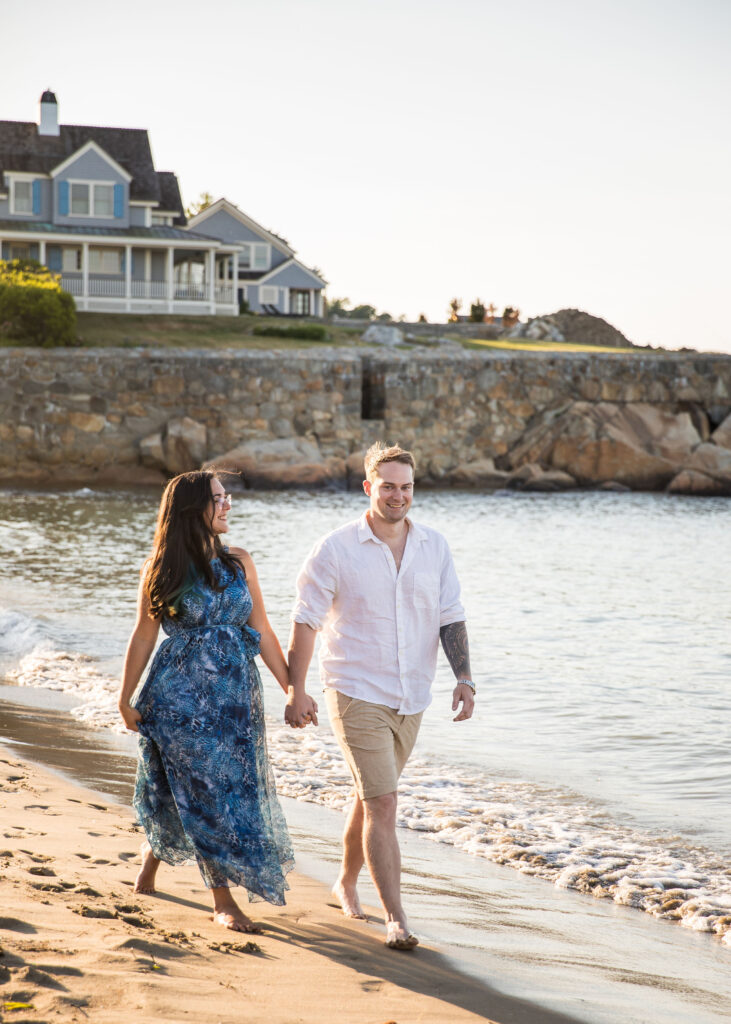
(398, 936)
(349, 902)
(145, 881)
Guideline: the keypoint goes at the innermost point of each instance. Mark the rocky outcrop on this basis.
(280, 464)
(638, 445)
(177, 448)
(381, 334)
(580, 328)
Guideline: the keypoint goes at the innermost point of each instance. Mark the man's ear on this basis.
(367, 487)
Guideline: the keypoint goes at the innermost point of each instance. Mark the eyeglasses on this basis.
(219, 500)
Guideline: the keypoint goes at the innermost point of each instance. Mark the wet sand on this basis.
(79, 944)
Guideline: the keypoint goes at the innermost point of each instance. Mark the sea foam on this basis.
(536, 830)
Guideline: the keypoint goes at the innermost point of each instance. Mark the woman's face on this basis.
(219, 508)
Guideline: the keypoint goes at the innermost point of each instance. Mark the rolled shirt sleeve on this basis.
(450, 605)
(316, 587)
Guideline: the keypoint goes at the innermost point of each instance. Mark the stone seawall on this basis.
(472, 418)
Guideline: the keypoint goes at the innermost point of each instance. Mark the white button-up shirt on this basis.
(380, 626)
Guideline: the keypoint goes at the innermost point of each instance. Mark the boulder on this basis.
(638, 445)
(380, 334)
(179, 447)
(691, 481)
(480, 473)
(722, 434)
(712, 461)
(283, 463)
(532, 477)
(538, 329)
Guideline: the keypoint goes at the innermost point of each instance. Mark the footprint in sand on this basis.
(84, 856)
(13, 924)
(122, 856)
(101, 860)
(42, 869)
(97, 807)
(86, 890)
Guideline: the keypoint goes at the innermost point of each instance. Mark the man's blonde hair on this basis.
(380, 452)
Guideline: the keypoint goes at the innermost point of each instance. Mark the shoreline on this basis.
(74, 934)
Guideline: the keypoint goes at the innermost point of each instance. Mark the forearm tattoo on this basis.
(457, 648)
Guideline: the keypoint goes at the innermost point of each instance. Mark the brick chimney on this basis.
(49, 115)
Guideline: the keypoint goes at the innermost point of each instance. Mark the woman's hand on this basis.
(300, 710)
(131, 716)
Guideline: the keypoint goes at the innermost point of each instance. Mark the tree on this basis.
(204, 200)
(34, 309)
(363, 312)
(338, 307)
(454, 307)
(422, 319)
(384, 317)
(477, 312)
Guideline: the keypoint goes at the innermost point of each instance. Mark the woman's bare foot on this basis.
(348, 900)
(145, 881)
(227, 913)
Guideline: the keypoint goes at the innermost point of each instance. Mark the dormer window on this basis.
(91, 199)
(22, 193)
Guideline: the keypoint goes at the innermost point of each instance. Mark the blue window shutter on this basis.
(63, 199)
(36, 197)
(53, 258)
(119, 200)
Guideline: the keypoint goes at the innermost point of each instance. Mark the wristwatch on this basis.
(467, 682)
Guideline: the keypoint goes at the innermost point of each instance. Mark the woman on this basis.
(204, 786)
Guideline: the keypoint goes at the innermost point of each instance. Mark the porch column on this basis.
(312, 302)
(85, 274)
(212, 280)
(128, 277)
(42, 251)
(235, 284)
(170, 281)
(146, 290)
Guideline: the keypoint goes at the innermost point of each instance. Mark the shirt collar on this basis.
(416, 533)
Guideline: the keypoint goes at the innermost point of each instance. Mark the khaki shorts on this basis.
(375, 740)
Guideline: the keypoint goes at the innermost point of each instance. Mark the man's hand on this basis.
(300, 710)
(463, 695)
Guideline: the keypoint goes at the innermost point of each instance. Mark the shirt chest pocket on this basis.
(426, 590)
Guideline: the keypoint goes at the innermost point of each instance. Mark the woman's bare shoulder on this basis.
(243, 556)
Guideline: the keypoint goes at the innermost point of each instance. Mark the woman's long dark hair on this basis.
(183, 545)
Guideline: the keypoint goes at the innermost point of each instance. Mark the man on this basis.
(384, 591)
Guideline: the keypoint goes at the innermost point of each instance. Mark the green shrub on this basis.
(309, 332)
(33, 308)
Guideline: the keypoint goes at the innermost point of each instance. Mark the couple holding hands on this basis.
(382, 591)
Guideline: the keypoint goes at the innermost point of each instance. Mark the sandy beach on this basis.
(78, 945)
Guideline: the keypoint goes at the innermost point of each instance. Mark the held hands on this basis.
(463, 695)
(300, 710)
(131, 717)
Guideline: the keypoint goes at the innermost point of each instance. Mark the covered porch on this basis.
(138, 273)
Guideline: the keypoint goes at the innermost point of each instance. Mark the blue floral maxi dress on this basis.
(204, 788)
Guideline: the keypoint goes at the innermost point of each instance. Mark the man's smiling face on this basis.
(391, 491)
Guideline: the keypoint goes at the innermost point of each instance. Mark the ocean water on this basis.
(599, 758)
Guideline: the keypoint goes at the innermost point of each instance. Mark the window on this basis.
(70, 260)
(92, 199)
(104, 200)
(161, 218)
(79, 200)
(269, 296)
(254, 257)
(19, 252)
(105, 261)
(22, 197)
(261, 257)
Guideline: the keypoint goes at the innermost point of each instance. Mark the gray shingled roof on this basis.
(170, 198)
(158, 231)
(23, 149)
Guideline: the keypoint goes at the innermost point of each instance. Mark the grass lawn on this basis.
(113, 330)
(526, 345)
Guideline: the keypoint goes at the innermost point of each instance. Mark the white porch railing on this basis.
(115, 288)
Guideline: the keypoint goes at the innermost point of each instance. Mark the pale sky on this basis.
(534, 153)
